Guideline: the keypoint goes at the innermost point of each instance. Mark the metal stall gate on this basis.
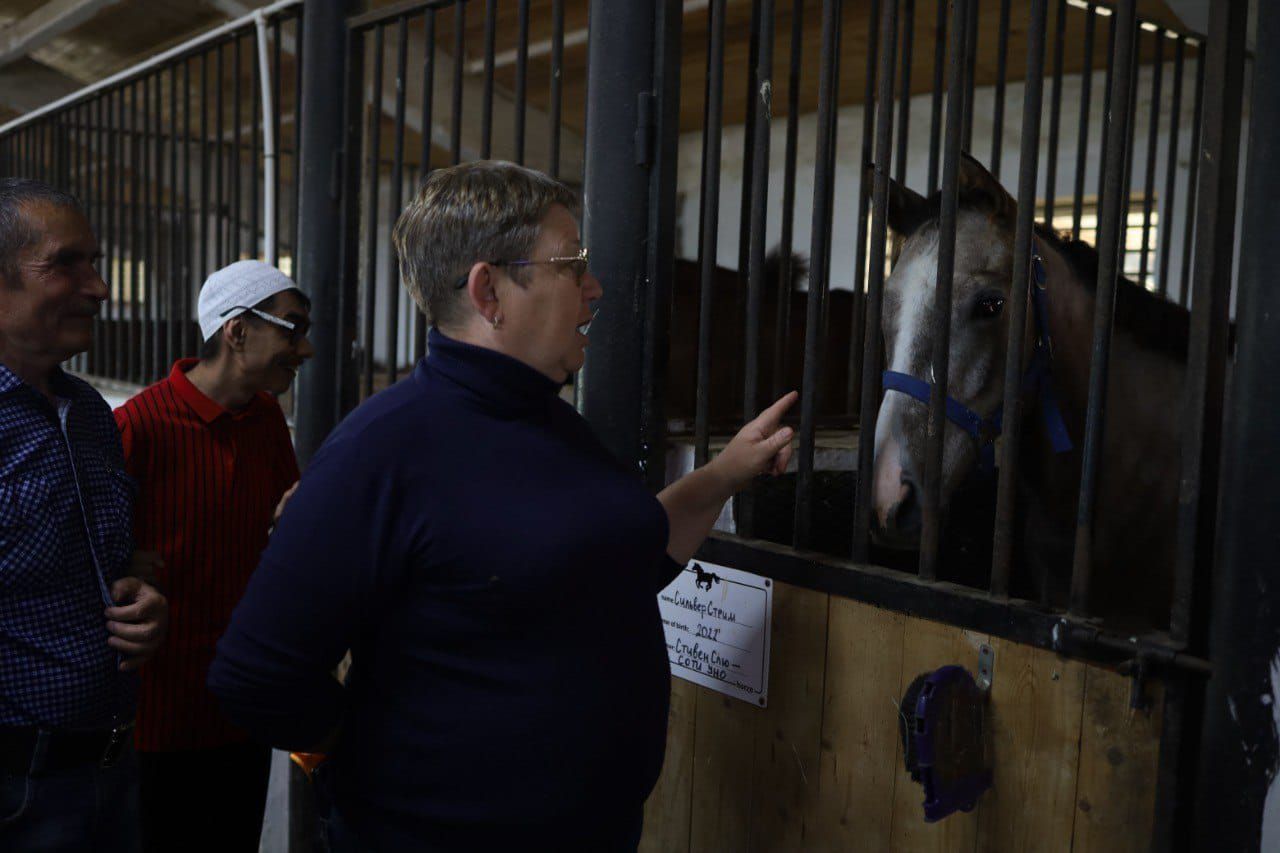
(183, 164)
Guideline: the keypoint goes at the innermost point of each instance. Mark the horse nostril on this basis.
(906, 517)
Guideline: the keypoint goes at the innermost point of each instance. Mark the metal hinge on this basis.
(644, 129)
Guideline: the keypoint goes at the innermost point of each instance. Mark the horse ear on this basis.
(908, 210)
(981, 189)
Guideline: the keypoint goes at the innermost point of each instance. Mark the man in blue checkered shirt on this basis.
(73, 625)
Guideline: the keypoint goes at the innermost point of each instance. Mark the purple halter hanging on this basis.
(1038, 381)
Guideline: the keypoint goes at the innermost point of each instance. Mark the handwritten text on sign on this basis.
(717, 624)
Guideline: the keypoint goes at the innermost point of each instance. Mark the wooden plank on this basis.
(1119, 757)
(723, 756)
(859, 728)
(1034, 721)
(667, 812)
(927, 646)
(785, 786)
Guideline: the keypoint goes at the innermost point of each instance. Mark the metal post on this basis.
(1239, 746)
(319, 214)
(619, 102)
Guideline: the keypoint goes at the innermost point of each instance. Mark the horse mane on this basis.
(1154, 323)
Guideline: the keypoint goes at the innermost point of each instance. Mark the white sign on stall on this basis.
(717, 624)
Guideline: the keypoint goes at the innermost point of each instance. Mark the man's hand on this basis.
(763, 446)
(284, 499)
(145, 566)
(137, 623)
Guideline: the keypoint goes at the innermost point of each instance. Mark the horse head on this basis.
(979, 335)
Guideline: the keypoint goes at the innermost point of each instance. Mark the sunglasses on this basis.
(297, 331)
(577, 264)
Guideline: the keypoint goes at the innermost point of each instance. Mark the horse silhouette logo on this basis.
(704, 579)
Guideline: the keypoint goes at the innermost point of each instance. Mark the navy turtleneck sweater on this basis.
(494, 571)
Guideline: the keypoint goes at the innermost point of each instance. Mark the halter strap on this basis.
(1038, 381)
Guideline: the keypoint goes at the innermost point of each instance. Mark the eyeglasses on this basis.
(297, 331)
(577, 264)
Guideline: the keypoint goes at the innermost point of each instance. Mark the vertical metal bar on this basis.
(459, 45)
(1234, 801)
(1106, 111)
(203, 266)
(100, 198)
(114, 280)
(935, 122)
(1024, 230)
(970, 72)
(1002, 71)
(557, 65)
(748, 147)
(276, 68)
(371, 213)
(1082, 141)
(710, 220)
(875, 291)
(522, 78)
(1153, 142)
(940, 357)
(1205, 384)
(237, 185)
(219, 256)
(904, 91)
(853, 385)
(1171, 168)
(296, 213)
(428, 105)
(185, 343)
(152, 185)
(134, 346)
(397, 188)
(1131, 127)
(1055, 114)
(782, 316)
(820, 244)
(1193, 183)
(1124, 60)
(486, 110)
(257, 150)
(759, 218)
(174, 317)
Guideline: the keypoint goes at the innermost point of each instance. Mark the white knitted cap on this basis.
(234, 289)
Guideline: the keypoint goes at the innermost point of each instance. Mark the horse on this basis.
(1135, 520)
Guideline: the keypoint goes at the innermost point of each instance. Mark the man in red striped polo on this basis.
(211, 452)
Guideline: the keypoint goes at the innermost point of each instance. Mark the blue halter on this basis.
(1038, 380)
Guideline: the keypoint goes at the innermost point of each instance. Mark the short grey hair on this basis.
(487, 210)
(16, 232)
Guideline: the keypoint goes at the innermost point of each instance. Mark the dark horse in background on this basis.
(1134, 535)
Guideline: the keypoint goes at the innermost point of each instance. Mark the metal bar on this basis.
(710, 220)
(459, 44)
(1055, 114)
(104, 267)
(372, 163)
(428, 117)
(174, 315)
(1124, 61)
(114, 155)
(1024, 230)
(273, 251)
(748, 149)
(397, 187)
(368, 20)
(151, 219)
(186, 340)
(1171, 168)
(940, 357)
(522, 78)
(1205, 383)
(258, 164)
(621, 46)
(133, 362)
(1106, 109)
(486, 109)
(853, 385)
(1193, 183)
(1153, 142)
(759, 218)
(782, 316)
(970, 73)
(1002, 71)
(318, 259)
(557, 66)
(343, 382)
(935, 122)
(218, 233)
(202, 267)
(875, 291)
(1082, 141)
(904, 91)
(1131, 128)
(237, 207)
(1234, 805)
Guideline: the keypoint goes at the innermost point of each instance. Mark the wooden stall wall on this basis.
(820, 769)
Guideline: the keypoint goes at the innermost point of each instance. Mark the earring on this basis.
(496, 321)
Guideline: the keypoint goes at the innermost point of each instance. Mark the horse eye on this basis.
(988, 306)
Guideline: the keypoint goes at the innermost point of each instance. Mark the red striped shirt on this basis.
(209, 480)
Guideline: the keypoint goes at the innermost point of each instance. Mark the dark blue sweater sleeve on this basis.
(327, 567)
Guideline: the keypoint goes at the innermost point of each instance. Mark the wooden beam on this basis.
(44, 25)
